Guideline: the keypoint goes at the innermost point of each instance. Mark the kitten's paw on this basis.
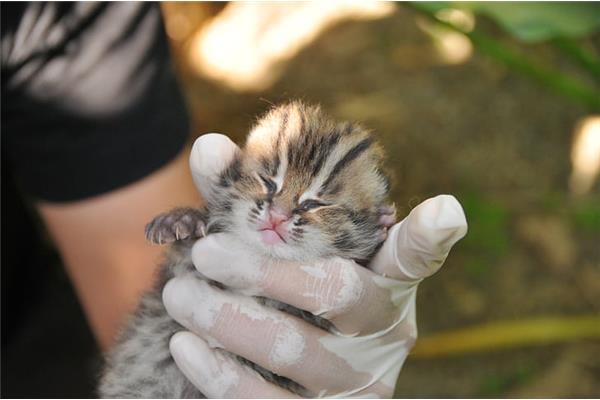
(381, 235)
(387, 216)
(178, 224)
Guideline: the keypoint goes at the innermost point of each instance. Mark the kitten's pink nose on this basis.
(277, 216)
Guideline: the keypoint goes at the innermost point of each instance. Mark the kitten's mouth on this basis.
(271, 236)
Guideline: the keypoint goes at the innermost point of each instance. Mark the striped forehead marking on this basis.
(350, 156)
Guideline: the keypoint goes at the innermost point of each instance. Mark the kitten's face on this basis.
(306, 188)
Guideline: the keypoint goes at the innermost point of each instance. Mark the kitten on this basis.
(302, 188)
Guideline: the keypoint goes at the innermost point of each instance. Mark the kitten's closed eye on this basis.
(270, 186)
(310, 204)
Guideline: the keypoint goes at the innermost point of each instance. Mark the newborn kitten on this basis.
(303, 188)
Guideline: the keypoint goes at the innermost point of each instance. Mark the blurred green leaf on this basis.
(532, 21)
(434, 6)
(538, 21)
(488, 227)
(587, 217)
(585, 57)
(477, 267)
(499, 384)
(551, 78)
(553, 202)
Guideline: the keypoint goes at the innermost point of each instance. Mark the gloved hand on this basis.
(372, 309)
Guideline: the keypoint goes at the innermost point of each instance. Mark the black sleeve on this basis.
(90, 102)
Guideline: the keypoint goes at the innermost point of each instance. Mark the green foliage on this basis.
(498, 384)
(539, 21)
(553, 202)
(532, 22)
(587, 217)
(489, 234)
(477, 267)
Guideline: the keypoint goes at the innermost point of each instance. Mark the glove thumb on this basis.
(417, 246)
(210, 155)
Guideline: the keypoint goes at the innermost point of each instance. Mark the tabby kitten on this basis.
(302, 188)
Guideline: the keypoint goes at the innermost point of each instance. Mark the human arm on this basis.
(102, 244)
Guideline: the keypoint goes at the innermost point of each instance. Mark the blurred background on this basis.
(495, 103)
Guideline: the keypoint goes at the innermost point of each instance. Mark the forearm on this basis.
(102, 243)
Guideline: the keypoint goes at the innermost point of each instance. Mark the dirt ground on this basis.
(497, 141)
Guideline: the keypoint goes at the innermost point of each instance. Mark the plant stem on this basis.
(501, 335)
(587, 59)
(553, 79)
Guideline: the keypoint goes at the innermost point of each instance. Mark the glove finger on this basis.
(210, 155)
(355, 299)
(381, 354)
(216, 374)
(273, 339)
(417, 246)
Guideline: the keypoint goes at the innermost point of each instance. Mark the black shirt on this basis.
(90, 101)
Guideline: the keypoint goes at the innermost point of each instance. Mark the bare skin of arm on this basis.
(101, 240)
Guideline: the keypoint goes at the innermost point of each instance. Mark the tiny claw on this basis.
(382, 235)
(388, 209)
(177, 224)
(387, 215)
(387, 220)
(201, 229)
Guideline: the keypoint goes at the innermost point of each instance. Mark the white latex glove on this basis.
(373, 310)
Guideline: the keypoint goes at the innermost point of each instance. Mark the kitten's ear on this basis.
(210, 155)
